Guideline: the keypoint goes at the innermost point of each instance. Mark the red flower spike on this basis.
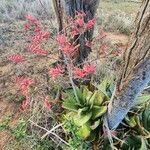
(38, 29)
(61, 39)
(79, 73)
(24, 84)
(16, 58)
(89, 68)
(25, 104)
(81, 13)
(90, 24)
(27, 26)
(57, 71)
(67, 48)
(46, 35)
(88, 44)
(79, 22)
(40, 52)
(37, 50)
(75, 31)
(31, 18)
(47, 103)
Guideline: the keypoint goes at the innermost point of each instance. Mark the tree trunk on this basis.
(59, 13)
(89, 7)
(135, 72)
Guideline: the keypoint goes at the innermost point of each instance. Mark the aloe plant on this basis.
(86, 114)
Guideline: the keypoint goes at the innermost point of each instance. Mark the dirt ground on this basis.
(13, 40)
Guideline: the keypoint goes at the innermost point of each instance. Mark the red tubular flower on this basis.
(57, 71)
(79, 73)
(16, 58)
(36, 39)
(37, 50)
(31, 18)
(25, 104)
(81, 14)
(90, 24)
(79, 22)
(75, 31)
(69, 49)
(46, 35)
(61, 39)
(89, 68)
(24, 84)
(47, 103)
(27, 26)
(38, 29)
(88, 44)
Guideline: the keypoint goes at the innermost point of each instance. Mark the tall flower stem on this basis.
(71, 79)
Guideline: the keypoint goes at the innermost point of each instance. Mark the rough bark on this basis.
(89, 7)
(59, 13)
(135, 72)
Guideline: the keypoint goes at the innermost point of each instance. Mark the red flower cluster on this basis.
(16, 58)
(38, 36)
(88, 43)
(79, 25)
(57, 71)
(24, 84)
(64, 45)
(25, 104)
(36, 49)
(81, 73)
(90, 24)
(47, 103)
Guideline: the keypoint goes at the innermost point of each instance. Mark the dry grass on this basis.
(16, 9)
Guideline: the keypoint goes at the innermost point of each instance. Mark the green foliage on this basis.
(134, 142)
(145, 117)
(19, 132)
(75, 141)
(86, 113)
(86, 118)
(5, 124)
(142, 99)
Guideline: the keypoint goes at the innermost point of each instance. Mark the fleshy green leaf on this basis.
(84, 131)
(79, 94)
(70, 104)
(85, 92)
(103, 86)
(131, 142)
(143, 145)
(91, 100)
(131, 121)
(88, 96)
(82, 110)
(95, 125)
(99, 98)
(98, 111)
(80, 120)
(146, 119)
(142, 99)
